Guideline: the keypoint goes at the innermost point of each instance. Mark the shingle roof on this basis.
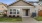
(20, 0)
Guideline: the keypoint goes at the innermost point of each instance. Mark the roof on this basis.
(3, 4)
(21, 0)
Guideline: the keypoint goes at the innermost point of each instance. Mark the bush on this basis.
(17, 15)
(13, 15)
(4, 15)
(9, 15)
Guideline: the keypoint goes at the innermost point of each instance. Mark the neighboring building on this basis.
(40, 8)
(2, 7)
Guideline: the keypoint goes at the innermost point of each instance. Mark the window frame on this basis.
(15, 11)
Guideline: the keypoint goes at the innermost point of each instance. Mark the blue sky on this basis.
(10, 1)
(7, 1)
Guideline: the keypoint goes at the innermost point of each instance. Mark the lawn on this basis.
(10, 19)
(39, 18)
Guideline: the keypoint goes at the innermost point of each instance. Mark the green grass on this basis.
(39, 18)
(10, 19)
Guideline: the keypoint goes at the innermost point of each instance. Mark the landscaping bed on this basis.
(4, 19)
(39, 18)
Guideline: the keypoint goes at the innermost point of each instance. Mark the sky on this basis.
(11, 1)
(7, 1)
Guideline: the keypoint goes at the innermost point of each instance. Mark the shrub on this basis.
(9, 15)
(13, 15)
(17, 15)
(4, 15)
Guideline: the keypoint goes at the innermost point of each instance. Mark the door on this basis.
(27, 12)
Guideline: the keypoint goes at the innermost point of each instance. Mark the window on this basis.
(14, 9)
(14, 12)
(10, 12)
(17, 11)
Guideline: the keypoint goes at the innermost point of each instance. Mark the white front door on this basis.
(26, 13)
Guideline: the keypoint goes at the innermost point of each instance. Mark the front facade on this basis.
(22, 9)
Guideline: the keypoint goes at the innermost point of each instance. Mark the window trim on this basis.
(15, 11)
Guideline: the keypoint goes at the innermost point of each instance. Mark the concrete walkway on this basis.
(29, 20)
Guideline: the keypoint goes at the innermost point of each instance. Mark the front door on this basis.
(27, 12)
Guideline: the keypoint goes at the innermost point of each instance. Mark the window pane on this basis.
(17, 11)
(10, 12)
(14, 12)
(10, 9)
(14, 9)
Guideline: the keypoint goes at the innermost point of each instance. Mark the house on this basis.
(40, 8)
(22, 9)
(2, 7)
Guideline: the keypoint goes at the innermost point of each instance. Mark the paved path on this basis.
(29, 20)
(39, 21)
(25, 20)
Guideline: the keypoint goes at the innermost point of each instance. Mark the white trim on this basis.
(20, 6)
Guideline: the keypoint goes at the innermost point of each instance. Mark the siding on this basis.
(20, 3)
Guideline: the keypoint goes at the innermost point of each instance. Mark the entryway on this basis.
(26, 13)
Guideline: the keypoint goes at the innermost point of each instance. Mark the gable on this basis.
(20, 3)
